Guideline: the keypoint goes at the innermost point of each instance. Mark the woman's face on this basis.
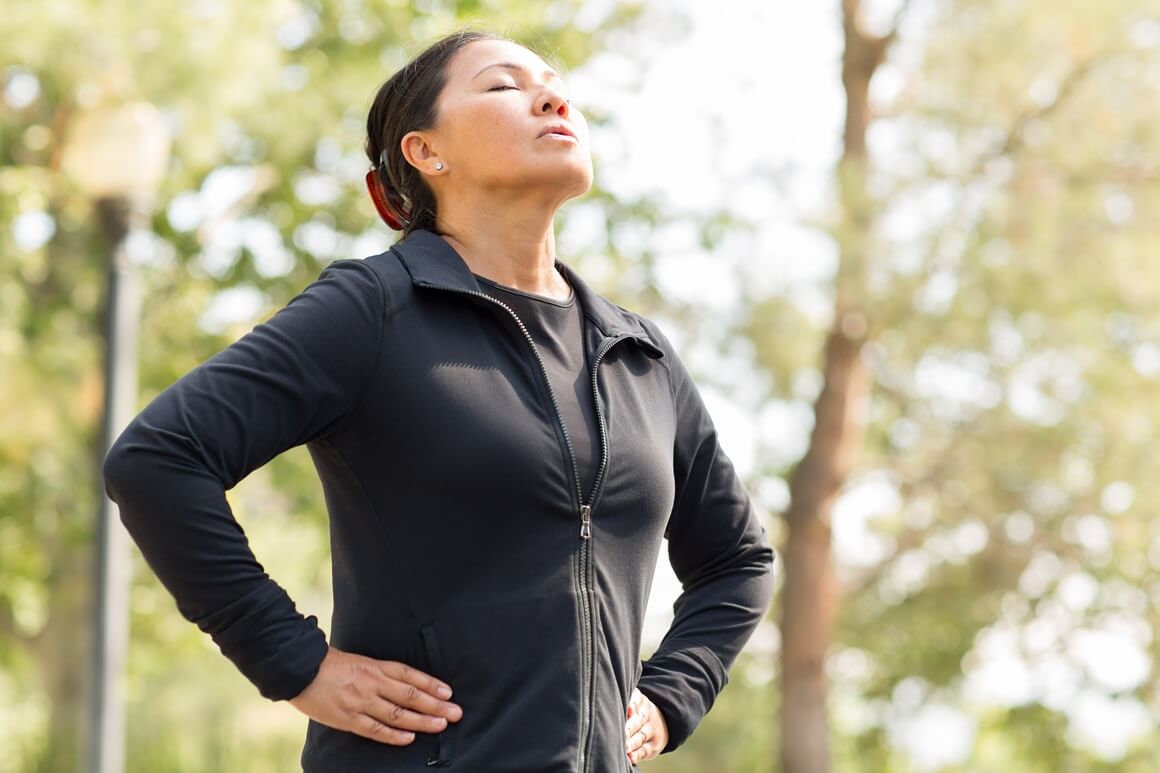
(504, 124)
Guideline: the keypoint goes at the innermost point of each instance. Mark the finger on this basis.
(369, 727)
(634, 702)
(644, 752)
(413, 676)
(634, 724)
(408, 696)
(640, 734)
(636, 741)
(394, 715)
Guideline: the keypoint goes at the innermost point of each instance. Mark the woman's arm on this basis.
(719, 551)
(293, 379)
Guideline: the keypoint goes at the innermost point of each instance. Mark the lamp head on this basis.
(119, 150)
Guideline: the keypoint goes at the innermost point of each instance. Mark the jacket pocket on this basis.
(443, 748)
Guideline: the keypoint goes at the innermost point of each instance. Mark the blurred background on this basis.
(908, 248)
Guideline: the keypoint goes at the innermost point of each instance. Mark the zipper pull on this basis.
(585, 521)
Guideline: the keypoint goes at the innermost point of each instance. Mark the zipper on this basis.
(588, 624)
(588, 675)
(586, 562)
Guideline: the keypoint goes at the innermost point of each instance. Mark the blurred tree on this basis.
(810, 598)
(990, 363)
(266, 101)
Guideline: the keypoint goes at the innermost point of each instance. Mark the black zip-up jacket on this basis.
(461, 543)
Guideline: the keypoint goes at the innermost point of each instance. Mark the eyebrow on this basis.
(517, 68)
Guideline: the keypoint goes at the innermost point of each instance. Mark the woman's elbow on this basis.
(117, 468)
(132, 465)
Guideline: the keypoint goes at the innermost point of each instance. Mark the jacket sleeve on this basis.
(719, 551)
(294, 379)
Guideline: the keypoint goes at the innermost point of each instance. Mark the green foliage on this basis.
(1003, 255)
(1013, 342)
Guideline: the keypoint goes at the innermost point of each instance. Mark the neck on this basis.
(512, 245)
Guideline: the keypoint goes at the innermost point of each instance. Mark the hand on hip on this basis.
(382, 700)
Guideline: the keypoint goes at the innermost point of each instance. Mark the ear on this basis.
(419, 152)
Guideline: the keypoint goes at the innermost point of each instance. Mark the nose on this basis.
(553, 101)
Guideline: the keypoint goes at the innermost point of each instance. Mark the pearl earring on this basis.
(438, 166)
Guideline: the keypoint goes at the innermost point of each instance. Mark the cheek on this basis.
(488, 138)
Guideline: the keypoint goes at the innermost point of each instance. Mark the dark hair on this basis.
(406, 102)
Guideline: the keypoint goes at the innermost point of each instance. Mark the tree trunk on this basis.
(810, 597)
(810, 593)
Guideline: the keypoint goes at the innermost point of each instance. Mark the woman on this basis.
(502, 451)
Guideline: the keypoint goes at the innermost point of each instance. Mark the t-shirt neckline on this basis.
(541, 298)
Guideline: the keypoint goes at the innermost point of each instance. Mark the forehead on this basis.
(473, 57)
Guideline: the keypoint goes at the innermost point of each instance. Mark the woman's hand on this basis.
(645, 731)
(381, 700)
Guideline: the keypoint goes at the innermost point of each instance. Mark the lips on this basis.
(557, 129)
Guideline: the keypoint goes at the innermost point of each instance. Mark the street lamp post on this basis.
(116, 155)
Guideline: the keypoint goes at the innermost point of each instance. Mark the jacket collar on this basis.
(432, 262)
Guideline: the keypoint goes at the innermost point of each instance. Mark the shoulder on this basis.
(681, 380)
(655, 332)
(389, 271)
(377, 277)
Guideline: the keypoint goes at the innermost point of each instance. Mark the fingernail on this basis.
(444, 691)
(408, 737)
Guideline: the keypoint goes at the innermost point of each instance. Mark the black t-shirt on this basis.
(557, 327)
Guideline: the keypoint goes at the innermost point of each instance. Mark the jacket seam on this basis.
(680, 485)
(382, 531)
(672, 389)
(387, 313)
(366, 387)
(662, 360)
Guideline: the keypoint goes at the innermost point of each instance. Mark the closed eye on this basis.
(504, 87)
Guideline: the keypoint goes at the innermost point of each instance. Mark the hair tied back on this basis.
(390, 215)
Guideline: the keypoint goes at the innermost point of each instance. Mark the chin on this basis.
(575, 177)
(560, 179)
